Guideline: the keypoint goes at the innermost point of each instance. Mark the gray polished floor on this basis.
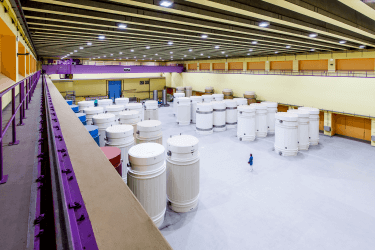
(323, 198)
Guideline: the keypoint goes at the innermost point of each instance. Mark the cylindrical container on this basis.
(303, 128)
(90, 112)
(131, 117)
(164, 97)
(103, 121)
(188, 91)
(240, 101)
(250, 96)
(155, 95)
(151, 110)
(147, 179)
(137, 107)
(271, 111)
(209, 90)
(261, 127)
(231, 113)
(183, 111)
(246, 123)
(122, 137)
(218, 97)
(313, 125)
(94, 132)
(180, 90)
(84, 105)
(74, 108)
(204, 118)
(228, 93)
(149, 131)
(69, 102)
(104, 103)
(122, 101)
(82, 117)
(113, 154)
(219, 120)
(207, 98)
(183, 173)
(286, 134)
(116, 110)
(175, 97)
(194, 100)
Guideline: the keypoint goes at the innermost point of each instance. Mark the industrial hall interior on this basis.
(187, 124)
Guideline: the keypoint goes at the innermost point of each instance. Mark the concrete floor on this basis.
(323, 198)
(18, 165)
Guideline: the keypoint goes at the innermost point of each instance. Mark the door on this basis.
(114, 89)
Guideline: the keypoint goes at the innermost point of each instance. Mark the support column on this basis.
(267, 66)
(197, 66)
(211, 66)
(226, 66)
(295, 65)
(332, 65)
(329, 123)
(373, 132)
(244, 66)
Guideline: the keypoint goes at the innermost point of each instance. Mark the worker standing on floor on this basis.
(251, 162)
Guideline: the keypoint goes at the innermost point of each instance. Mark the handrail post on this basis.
(22, 111)
(14, 134)
(3, 178)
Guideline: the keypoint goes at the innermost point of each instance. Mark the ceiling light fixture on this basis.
(166, 3)
(313, 35)
(144, 55)
(111, 54)
(226, 55)
(217, 47)
(171, 52)
(342, 42)
(120, 53)
(190, 50)
(362, 46)
(276, 52)
(204, 36)
(132, 50)
(201, 54)
(89, 43)
(312, 49)
(122, 26)
(104, 56)
(170, 43)
(288, 46)
(147, 47)
(71, 53)
(80, 47)
(222, 52)
(250, 49)
(248, 54)
(254, 42)
(264, 24)
(76, 51)
(209, 57)
(184, 55)
(101, 37)
(156, 54)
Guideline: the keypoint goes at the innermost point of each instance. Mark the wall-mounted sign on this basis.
(126, 69)
(141, 82)
(147, 82)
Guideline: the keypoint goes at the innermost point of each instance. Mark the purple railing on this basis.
(361, 74)
(79, 231)
(25, 98)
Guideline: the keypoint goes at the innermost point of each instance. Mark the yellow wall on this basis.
(344, 94)
(98, 87)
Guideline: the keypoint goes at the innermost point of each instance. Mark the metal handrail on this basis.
(360, 74)
(24, 100)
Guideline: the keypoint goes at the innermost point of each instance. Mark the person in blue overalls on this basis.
(251, 162)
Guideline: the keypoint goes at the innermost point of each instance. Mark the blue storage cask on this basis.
(74, 108)
(82, 117)
(94, 132)
(69, 102)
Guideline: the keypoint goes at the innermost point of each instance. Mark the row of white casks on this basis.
(136, 106)
(85, 104)
(115, 110)
(296, 130)
(153, 177)
(122, 137)
(149, 131)
(151, 110)
(175, 98)
(130, 117)
(104, 103)
(256, 120)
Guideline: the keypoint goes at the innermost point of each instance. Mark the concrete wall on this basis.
(344, 94)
